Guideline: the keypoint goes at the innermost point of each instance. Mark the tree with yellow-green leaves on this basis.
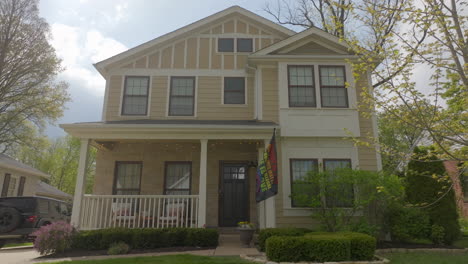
(395, 39)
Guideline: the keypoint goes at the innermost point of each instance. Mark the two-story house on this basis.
(186, 116)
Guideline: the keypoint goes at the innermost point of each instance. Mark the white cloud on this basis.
(79, 49)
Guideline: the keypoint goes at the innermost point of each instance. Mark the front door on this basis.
(233, 194)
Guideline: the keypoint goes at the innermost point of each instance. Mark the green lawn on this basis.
(172, 259)
(17, 245)
(427, 258)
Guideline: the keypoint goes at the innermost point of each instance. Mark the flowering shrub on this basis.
(54, 238)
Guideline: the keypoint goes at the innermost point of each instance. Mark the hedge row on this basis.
(147, 238)
(321, 247)
(269, 232)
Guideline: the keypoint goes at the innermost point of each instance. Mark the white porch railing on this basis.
(138, 211)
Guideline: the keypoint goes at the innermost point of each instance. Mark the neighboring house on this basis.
(18, 179)
(187, 115)
(45, 190)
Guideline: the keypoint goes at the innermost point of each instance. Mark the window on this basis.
(301, 86)
(127, 177)
(182, 96)
(177, 178)
(12, 187)
(244, 45)
(135, 98)
(299, 187)
(22, 182)
(226, 45)
(346, 190)
(234, 90)
(6, 184)
(332, 86)
(43, 206)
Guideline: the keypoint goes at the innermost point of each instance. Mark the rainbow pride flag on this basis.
(267, 172)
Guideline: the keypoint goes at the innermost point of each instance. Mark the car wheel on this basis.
(10, 218)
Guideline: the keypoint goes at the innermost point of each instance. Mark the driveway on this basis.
(18, 255)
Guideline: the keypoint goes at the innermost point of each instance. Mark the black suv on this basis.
(21, 216)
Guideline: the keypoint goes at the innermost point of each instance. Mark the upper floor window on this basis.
(182, 96)
(244, 45)
(135, 97)
(127, 177)
(301, 86)
(226, 45)
(234, 90)
(332, 86)
(177, 177)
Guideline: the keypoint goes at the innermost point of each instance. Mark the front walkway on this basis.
(229, 245)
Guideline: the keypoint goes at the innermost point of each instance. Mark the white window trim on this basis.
(284, 91)
(122, 90)
(15, 190)
(245, 104)
(195, 99)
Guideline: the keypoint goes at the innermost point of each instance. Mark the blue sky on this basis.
(88, 31)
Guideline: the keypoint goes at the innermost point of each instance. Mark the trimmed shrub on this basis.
(437, 234)
(147, 238)
(362, 246)
(118, 248)
(269, 232)
(286, 249)
(406, 224)
(54, 238)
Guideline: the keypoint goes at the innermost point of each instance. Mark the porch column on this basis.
(80, 182)
(270, 209)
(202, 183)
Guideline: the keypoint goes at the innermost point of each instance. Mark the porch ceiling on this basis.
(172, 129)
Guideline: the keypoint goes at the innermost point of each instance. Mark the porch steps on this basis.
(230, 237)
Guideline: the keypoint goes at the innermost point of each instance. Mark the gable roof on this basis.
(10, 163)
(44, 189)
(297, 37)
(100, 66)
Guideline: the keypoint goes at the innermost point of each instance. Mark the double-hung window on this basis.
(135, 97)
(182, 96)
(127, 177)
(301, 188)
(342, 195)
(178, 177)
(234, 90)
(332, 86)
(301, 86)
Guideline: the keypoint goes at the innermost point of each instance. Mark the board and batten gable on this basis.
(193, 54)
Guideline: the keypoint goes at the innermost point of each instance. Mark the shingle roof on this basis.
(44, 189)
(10, 163)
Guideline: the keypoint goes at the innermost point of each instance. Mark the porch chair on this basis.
(122, 212)
(172, 215)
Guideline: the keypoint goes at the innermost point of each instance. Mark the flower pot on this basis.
(246, 235)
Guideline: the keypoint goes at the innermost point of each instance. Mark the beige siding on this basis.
(204, 53)
(311, 48)
(154, 60)
(141, 63)
(228, 62)
(166, 58)
(30, 184)
(114, 97)
(179, 54)
(241, 61)
(229, 27)
(192, 53)
(270, 94)
(215, 57)
(155, 154)
(265, 42)
(159, 96)
(241, 27)
(210, 101)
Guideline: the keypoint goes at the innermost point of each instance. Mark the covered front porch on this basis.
(179, 179)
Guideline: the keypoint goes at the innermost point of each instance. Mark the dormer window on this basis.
(226, 45)
(135, 97)
(242, 45)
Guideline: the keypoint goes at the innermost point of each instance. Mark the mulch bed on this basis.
(81, 253)
(389, 244)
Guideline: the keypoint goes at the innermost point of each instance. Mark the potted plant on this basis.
(246, 230)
